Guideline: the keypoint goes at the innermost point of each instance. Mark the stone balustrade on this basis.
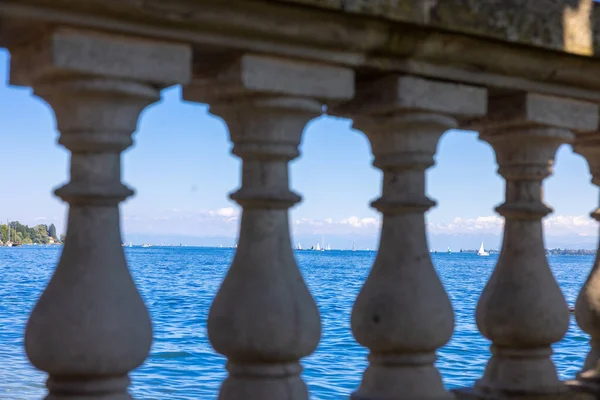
(524, 74)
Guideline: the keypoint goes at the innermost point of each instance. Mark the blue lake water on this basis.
(178, 284)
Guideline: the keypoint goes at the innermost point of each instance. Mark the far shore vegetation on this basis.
(23, 234)
(553, 252)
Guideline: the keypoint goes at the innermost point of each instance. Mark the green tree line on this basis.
(24, 234)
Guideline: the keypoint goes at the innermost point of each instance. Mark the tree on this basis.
(20, 233)
(52, 232)
(40, 234)
(63, 238)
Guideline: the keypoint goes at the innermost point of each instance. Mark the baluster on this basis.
(522, 310)
(587, 306)
(402, 314)
(263, 317)
(90, 327)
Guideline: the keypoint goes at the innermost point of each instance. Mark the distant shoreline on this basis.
(557, 251)
(552, 252)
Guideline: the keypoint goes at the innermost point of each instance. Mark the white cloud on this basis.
(565, 224)
(360, 222)
(489, 224)
(225, 220)
(554, 225)
(226, 212)
(208, 222)
(329, 225)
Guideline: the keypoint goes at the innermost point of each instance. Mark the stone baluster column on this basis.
(522, 310)
(402, 314)
(263, 317)
(587, 307)
(90, 327)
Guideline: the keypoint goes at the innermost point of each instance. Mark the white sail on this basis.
(318, 248)
(8, 242)
(482, 251)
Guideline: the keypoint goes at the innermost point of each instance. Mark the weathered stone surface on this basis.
(403, 314)
(74, 51)
(522, 309)
(403, 93)
(90, 327)
(587, 305)
(263, 318)
(334, 4)
(534, 109)
(259, 75)
(297, 30)
(536, 22)
(401, 10)
(587, 382)
(557, 24)
(471, 394)
(587, 144)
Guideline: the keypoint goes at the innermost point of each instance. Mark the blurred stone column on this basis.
(522, 310)
(587, 307)
(403, 314)
(263, 319)
(90, 327)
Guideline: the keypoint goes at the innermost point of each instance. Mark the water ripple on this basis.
(179, 283)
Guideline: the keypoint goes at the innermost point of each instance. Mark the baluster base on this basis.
(475, 394)
(591, 387)
(588, 380)
(100, 396)
(85, 388)
(589, 377)
(402, 377)
(520, 371)
(264, 381)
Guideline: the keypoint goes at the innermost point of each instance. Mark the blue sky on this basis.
(182, 171)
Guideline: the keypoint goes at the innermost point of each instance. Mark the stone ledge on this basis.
(588, 386)
(220, 31)
(473, 394)
(563, 25)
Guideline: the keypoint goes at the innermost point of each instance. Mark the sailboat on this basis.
(8, 242)
(481, 252)
(318, 247)
(449, 251)
(299, 247)
(353, 248)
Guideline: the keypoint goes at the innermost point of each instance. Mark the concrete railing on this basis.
(267, 69)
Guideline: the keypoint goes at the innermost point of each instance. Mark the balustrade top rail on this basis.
(562, 25)
(477, 42)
